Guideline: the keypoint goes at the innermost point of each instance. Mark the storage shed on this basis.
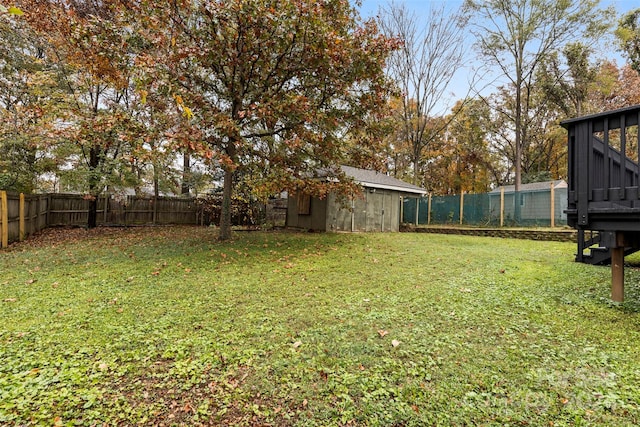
(378, 208)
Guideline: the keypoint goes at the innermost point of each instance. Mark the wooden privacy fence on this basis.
(71, 209)
(22, 215)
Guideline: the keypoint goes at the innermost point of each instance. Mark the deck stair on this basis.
(597, 253)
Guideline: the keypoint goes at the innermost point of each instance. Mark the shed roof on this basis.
(372, 179)
(534, 186)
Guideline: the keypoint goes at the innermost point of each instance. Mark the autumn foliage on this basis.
(270, 88)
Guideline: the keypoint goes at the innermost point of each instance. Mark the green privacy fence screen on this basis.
(542, 208)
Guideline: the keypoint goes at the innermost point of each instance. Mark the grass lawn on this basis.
(167, 326)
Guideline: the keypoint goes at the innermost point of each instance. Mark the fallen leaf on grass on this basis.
(297, 344)
(395, 343)
(382, 332)
(30, 282)
(10, 299)
(465, 290)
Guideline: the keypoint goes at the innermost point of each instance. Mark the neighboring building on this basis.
(378, 208)
(535, 201)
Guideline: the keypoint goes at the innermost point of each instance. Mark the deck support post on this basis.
(617, 274)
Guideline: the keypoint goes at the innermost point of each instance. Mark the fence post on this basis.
(553, 205)
(106, 208)
(429, 210)
(47, 213)
(155, 209)
(21, 218)
(417, 210)
(4, 218)
(502, 206)
(461, 206)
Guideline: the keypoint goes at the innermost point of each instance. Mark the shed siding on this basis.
(338, 215)
(377, 210)
(374, 210)
(316, 220)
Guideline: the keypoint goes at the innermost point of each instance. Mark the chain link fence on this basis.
(527, 208)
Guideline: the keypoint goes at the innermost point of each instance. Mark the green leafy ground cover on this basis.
(167, 326)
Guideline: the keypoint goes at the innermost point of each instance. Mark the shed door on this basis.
(379, 210)
(374, 207)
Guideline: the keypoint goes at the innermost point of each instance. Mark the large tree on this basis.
(29, 98)
(566, 80)
(89, 45)
(423, 68)
(465, 162)
(628, 34)
(517, 35)
(273, 84)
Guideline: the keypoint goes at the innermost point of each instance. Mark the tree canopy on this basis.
(268, 87)
(261, 95)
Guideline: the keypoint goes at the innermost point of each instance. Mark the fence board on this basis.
(45, 210)
(39, 211)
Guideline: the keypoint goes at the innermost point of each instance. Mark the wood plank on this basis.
(606, 159)
(4, 218)
(623, 152)
(21, 214)
(617, 274)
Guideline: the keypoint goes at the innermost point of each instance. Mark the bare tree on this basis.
(517, 35)
(423, 68)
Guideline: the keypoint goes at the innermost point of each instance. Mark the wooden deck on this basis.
(604, 188)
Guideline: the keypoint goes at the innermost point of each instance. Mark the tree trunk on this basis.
(225, 213)
(186, 173)
(92, 222)
(94, 162)
(518, 142)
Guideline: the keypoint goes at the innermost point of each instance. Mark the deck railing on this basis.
(604, 189)
(603, 172)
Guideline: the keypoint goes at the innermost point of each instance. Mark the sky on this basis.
(460, 84)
